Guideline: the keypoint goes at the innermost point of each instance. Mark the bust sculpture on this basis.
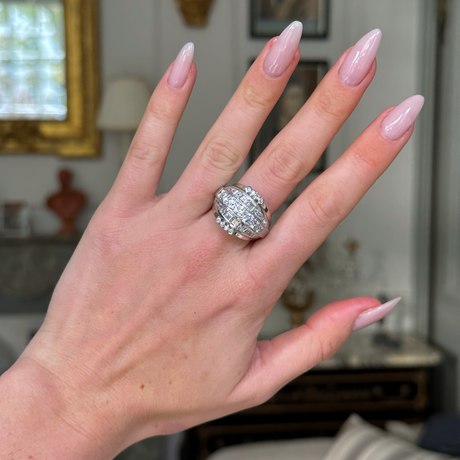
(67, 203)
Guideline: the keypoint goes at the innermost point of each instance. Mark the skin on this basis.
(151, 330)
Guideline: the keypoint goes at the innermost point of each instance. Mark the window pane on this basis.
(32, 61)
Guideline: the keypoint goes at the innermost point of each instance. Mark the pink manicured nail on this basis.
(283, 50)
(181, 67)
(373, 315)
(401, 118)
(360, 59)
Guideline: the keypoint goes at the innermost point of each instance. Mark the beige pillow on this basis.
(358, 440)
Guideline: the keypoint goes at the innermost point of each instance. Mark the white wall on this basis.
(446, 308)
(142, 37)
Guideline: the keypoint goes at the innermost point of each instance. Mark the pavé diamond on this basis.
(241, 211)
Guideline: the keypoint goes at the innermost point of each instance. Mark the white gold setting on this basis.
(242, 212)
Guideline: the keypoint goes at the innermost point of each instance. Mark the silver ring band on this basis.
(242, 212)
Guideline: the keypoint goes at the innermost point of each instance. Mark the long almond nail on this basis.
(359, 61)
(402, 117)
(181, 67)
(283, 50)
(373, 315)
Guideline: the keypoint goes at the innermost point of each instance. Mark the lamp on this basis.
(123, 105)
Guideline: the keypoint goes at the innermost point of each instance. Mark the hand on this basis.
(153, 326)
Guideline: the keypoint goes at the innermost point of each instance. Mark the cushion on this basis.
(441, 434)
(296, 449)
(358, 440)
(411, 433)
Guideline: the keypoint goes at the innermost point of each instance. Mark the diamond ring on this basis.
(241, 211)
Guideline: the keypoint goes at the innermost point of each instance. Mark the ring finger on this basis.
(293, 152)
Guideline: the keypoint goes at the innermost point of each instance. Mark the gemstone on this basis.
(259, 214)
(227, 227)
(218, 220)
(222, 223)
(231, 231)
(247, 218)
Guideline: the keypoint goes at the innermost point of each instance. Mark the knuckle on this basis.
(220, 155)
(284, 165)
(163, 111)
(325, 205)
(255, 98)
(328, 107)
(328, 347)
(251, 285)
(366, 157)
(143, 153)
(324, 345)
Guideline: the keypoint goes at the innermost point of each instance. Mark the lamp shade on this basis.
(123, 104)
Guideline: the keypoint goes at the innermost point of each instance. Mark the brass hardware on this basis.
(77, 135)
(297, 306)
(195, 12)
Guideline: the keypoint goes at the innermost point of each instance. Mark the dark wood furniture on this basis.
(29, 270)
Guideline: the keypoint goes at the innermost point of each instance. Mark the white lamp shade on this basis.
(123, 104)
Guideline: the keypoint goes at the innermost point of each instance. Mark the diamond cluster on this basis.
(240, 211)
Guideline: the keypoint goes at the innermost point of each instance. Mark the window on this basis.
(32, 61)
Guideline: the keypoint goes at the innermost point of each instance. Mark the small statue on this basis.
(67, 204)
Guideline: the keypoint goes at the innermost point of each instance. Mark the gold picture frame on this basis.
(77, 135)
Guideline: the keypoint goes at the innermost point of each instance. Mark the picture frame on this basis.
(299, 88)
(270, 17)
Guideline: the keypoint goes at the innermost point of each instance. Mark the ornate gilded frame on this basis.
(77, 135)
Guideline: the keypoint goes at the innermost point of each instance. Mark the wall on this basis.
(142, 37)
(446, 305)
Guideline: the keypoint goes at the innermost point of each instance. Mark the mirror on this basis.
(48, 77)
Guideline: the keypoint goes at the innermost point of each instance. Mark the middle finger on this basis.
(292, 154)
(226, 145)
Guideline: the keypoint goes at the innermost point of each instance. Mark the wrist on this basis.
(45, 418)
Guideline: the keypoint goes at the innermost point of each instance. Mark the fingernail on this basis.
(360, 59)
(373, 315)
(402, 117)
(283, 50)
(181, 67)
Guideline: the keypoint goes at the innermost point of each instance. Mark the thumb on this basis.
(276, 362)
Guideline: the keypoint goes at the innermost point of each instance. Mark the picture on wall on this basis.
(301, 85)
(270, 17)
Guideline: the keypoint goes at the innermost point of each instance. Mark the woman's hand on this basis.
(153, 326)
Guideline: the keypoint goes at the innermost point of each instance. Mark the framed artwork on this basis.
(301, 85)
(270, 17)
